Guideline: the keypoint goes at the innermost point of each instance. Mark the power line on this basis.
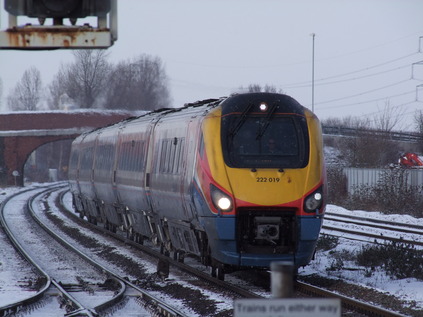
(363, 93)
(350, 73)
(368, 101)
(351, 79)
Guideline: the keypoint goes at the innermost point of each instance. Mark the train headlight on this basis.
(314, 202)
(221, 200)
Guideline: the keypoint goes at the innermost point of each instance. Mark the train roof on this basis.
(212, 102)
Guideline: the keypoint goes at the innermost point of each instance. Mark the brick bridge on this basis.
(23, 132)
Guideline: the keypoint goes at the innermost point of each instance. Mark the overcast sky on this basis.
(364, 51)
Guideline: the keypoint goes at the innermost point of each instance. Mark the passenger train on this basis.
(237, 181)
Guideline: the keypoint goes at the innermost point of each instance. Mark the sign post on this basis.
(282, 305)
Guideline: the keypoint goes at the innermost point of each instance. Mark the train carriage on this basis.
(238, 181)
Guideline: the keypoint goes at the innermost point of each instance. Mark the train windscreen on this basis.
(280, 141)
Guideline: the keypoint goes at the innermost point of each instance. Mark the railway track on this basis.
(192, 274)
(98, 290)
(361, 228)
(302, 289)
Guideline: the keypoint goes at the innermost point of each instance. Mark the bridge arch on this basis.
(21, 133)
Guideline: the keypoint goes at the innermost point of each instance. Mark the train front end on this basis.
(265, 176)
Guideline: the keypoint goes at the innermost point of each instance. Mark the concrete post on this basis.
(282, 279)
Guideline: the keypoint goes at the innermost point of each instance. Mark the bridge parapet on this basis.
(54, 120)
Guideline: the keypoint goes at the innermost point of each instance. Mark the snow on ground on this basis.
(409, 289)
(406, 289)
(12, 286)
(376, 215)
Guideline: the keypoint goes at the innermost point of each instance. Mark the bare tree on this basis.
(27, 93)
(419, 121)
(83, 81)
(254, 88)
(348, 122)
(365, 147)
(259, 88)
(57, 88)
(138, 84)
(87, 76)
(388, 118)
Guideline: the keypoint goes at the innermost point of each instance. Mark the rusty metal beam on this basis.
(49, 37)
(60, 36)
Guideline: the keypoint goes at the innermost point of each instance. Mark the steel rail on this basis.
(161, 306)
(106, 304)
(19, 305)
(379, 221)
(346, 302)
(380, 225)
(371, 235)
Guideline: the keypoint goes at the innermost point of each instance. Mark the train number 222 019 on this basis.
(268, 179)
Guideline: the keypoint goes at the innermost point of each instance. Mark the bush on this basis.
(399, 260)
(395, 195)
(337, 185)
(327, 242)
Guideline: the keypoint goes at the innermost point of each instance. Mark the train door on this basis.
(152, 217)
(189, 166)
(149, 164)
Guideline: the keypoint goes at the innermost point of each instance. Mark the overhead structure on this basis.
(58, 26)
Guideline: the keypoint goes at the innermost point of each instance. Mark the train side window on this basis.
(181, 155)
(163, 152)
(171, 163)
(171, 153)
(138, 148)
(131, 156)
(86, 162)
(123, 156)
(105, 157)
(176, 160)
(74, 159)
(168, 155)
(178, 156)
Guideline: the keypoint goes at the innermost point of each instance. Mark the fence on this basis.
(397, 136)
(371, 176)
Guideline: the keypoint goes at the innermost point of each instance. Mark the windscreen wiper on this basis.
(263, 129)
(241, 120)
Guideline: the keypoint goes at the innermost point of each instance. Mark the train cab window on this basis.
(258, 142)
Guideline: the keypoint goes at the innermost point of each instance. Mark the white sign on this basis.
(287, 307)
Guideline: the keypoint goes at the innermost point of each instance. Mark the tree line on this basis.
(91, 81)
